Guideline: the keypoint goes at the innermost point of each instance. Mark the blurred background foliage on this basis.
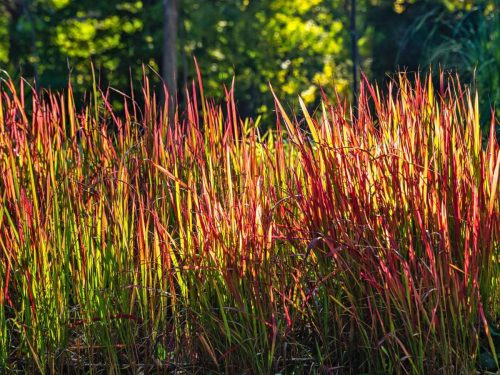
(298, 46)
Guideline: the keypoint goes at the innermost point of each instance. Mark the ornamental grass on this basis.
(338, 241)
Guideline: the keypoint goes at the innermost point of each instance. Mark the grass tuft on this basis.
(329, 244)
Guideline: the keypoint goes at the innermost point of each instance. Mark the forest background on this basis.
(298, 46)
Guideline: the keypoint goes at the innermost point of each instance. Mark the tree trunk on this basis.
(34, 52)
(354, 56)
(169, 64)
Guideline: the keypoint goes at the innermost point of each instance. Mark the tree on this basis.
(298, 46)
(354, 53)
(169, 59)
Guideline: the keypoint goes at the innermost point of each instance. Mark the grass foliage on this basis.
(330, 244)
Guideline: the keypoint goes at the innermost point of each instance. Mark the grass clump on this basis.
(329, 244)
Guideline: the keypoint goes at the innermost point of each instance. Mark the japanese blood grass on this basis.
(330, 244)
